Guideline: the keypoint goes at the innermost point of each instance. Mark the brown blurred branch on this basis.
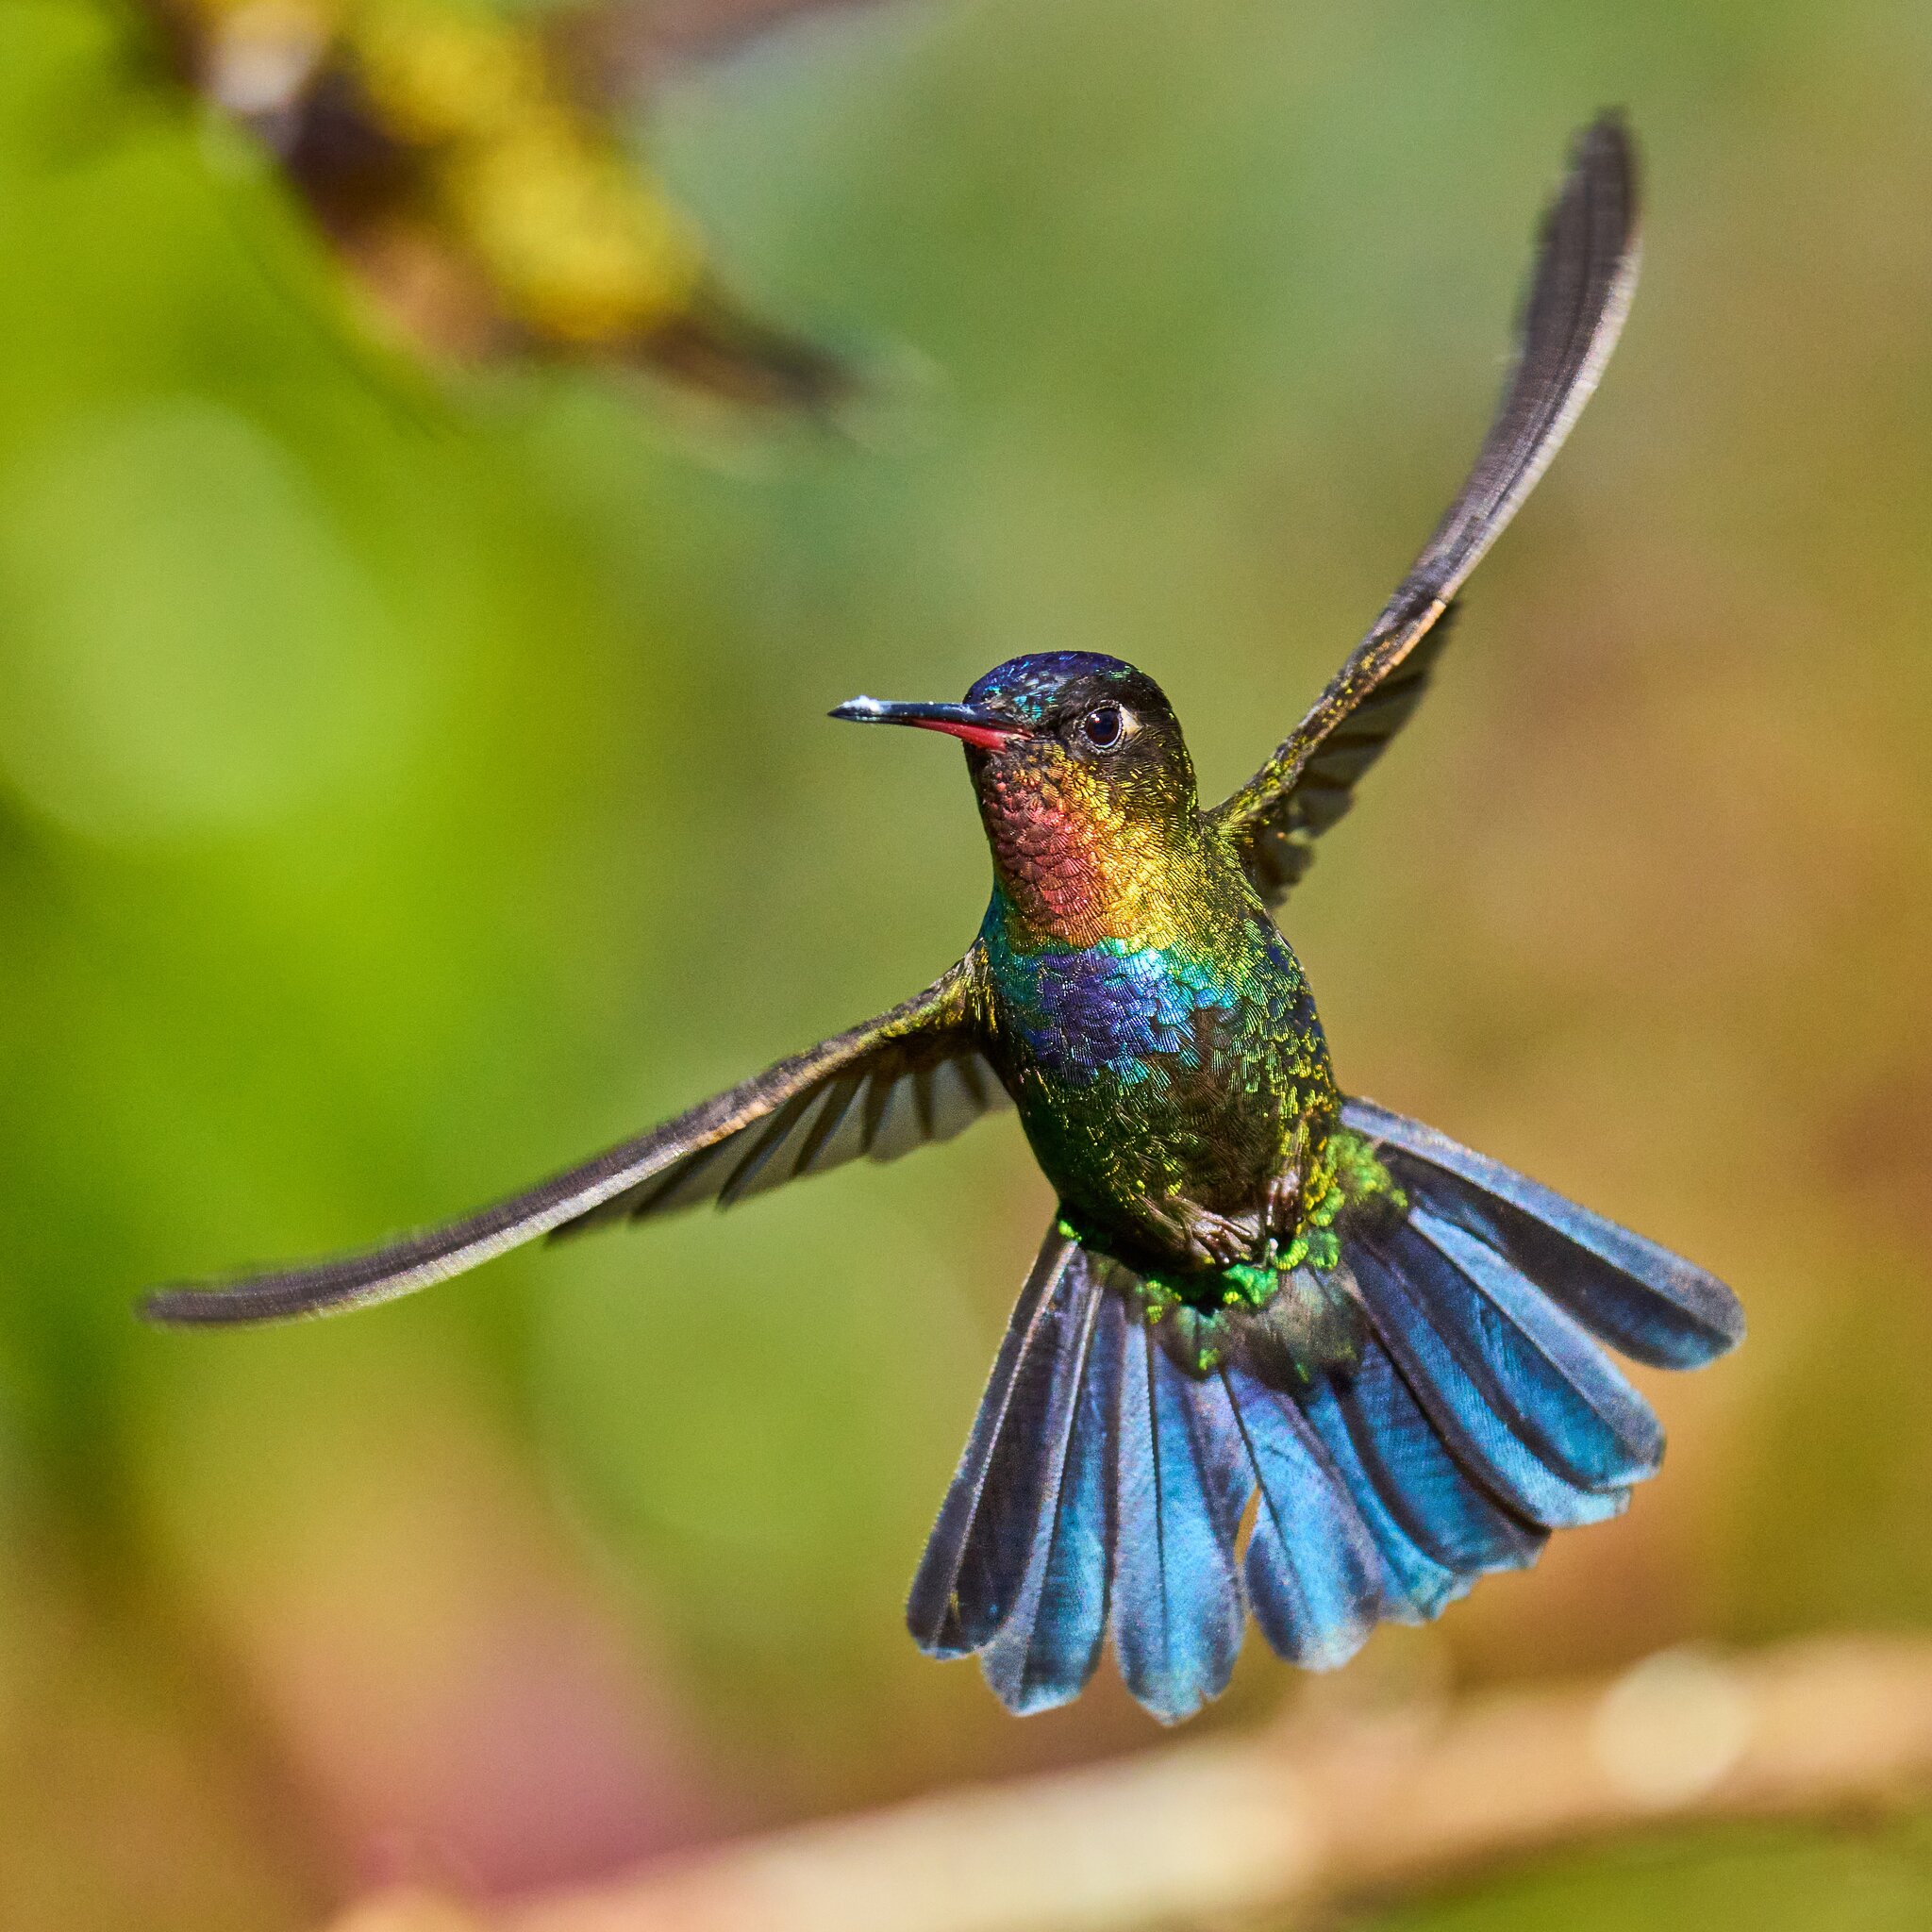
(1302, 1814)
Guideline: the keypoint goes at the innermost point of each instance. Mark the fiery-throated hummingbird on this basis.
(1283, 1350)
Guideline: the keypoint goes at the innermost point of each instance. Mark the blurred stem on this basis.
(1304, 1815)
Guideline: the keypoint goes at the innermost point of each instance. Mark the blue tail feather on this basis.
(1433, 1504)
(1547, 1379)
(1051, 1644)
(1393, 1279)
(1314, 1574)
(975, 1559)
(1178, 1609)
(1645, 1301)
(1414, 1586)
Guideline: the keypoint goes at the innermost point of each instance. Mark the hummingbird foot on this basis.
(1203, 1239)
(1281, 1206)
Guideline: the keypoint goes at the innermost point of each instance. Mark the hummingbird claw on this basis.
(1206, 1239)
(1281, 1205)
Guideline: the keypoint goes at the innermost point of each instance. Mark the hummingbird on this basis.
(1284, 1353)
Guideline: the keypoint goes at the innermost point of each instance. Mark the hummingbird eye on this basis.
(1104, 727)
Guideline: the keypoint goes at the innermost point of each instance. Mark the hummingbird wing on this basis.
(914, 1075)
(1580, 287)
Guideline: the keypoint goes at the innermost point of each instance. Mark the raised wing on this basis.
(911, 1076)
(1579, 291)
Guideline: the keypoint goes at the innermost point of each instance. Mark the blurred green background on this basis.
(410, 782)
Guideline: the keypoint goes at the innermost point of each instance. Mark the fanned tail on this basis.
(1646, 1302)
(1108, 1489)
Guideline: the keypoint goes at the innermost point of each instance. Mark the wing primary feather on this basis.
(728, 1146)
(762, 1166)
(695, 1179)
(1587, 262)
(1579, 293)
(824, 1148)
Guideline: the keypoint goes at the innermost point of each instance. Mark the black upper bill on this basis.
(972, 723)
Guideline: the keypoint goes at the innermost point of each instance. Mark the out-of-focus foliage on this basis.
(451, 152)
(402, 793)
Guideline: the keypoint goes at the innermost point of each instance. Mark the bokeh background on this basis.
(412, 777)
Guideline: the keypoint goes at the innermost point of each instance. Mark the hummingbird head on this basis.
(1084, 781)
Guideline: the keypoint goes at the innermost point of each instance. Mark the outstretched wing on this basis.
(1586, 269)
(914, 1075)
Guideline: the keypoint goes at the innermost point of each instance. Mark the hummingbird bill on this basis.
(1284, 1354)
